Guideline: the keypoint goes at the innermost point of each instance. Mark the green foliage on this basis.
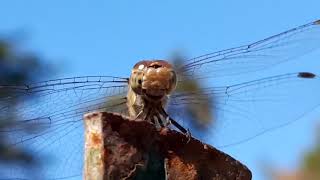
(309, 168)
(311, 163)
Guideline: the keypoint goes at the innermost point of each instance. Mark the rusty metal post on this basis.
(94, 147)
(119, 148)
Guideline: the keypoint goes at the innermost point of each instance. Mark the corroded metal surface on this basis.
(137, 150)
(94, 147)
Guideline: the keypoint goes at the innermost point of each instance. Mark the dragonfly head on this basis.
(153, 79)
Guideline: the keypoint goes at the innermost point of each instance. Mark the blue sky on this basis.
(100, 37)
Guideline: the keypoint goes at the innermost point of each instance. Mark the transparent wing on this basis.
(46, 119)
(255, 56)
(245, 110)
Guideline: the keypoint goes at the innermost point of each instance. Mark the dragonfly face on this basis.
(149, 85)
(153, 79)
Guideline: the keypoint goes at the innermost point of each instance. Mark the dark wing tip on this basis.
(317, 22)
(306, 75)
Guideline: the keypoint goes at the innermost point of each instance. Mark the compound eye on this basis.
(136, 82)
(163, 63)
(173, 83)
(155, 66)
(141, 65)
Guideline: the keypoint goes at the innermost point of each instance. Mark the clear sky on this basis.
(100, 37)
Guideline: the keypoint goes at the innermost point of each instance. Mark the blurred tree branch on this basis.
(17, 66)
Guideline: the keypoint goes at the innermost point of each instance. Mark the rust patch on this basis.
(178, 169)
(95, 139)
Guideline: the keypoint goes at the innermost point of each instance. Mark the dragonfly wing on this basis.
(255, 56)
(236, 108)
(46, 119)
(246, 110)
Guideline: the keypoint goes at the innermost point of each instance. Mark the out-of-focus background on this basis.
(81, 37)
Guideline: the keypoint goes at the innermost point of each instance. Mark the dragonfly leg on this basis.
(182, 129)
(147, 116)
(161, 120)
(157, 121)
(138, 115)
(176, 124)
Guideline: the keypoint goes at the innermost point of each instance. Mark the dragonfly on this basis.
(49, 114)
